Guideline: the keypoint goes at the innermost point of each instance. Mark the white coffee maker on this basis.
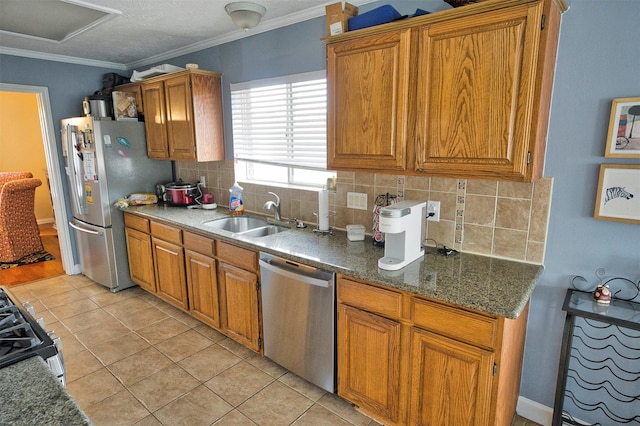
(403, 225)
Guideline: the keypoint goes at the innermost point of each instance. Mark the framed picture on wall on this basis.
(618, 195)
(623, 139)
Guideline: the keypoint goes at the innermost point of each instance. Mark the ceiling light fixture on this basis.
(245, 14)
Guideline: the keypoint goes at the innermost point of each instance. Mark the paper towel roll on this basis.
(323, 210)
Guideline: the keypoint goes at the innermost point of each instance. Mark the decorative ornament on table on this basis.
(602, 295)
(606, 289)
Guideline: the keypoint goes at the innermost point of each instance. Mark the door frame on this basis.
(54, 171)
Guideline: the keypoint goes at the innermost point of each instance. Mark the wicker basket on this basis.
(458, 3)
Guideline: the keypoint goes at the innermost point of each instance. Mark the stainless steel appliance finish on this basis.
(298, 309)
(106, 160)
(23, 336)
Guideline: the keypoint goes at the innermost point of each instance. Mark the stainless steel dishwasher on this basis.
(298, 319)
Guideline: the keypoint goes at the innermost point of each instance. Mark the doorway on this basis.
(54, 170)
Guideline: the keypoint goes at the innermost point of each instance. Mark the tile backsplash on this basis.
(500, 219)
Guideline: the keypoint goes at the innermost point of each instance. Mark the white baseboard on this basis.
(534, 411)
(44, 221)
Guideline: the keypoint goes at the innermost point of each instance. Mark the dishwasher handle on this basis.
(304, 276)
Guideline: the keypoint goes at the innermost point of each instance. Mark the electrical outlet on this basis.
(202, 181)
(433, 211)
(357, 200)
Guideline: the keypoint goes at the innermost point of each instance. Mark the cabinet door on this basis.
(140, 259)
(450, 382)
(369, 361)
(368, 90)
(171, 283)
(476, 92)
(180, 130)
(203, 288)
(155, 120)
(239, 297)
(206, 93)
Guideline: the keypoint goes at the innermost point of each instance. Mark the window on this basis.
(280, 130)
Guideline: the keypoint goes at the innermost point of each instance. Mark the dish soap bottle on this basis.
(236, 204)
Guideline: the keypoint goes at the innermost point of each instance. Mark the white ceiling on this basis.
(151, 31)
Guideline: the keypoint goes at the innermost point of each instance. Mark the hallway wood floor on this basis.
(37, 271)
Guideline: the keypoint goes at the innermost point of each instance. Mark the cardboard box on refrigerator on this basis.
(337, 17)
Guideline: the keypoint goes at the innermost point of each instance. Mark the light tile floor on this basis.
(132, 359)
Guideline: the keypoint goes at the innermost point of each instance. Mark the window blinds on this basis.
(281, 121)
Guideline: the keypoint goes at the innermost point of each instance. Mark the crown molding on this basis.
(238, 34)
(61, 58)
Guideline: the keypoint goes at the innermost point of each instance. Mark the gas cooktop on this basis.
(21, 336)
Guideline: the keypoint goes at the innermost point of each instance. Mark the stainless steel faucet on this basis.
(274, 205)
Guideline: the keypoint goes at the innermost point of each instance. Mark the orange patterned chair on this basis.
(19, 232)
(7, 176)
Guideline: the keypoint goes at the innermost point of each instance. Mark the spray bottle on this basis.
(236, 204)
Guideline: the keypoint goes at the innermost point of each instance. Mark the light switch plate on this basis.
(357, 200)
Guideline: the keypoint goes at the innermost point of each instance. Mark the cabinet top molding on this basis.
(162, 77)
(443, 15)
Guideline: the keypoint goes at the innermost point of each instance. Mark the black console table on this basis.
(605, 330)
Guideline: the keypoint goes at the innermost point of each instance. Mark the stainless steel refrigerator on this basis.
(106, 160)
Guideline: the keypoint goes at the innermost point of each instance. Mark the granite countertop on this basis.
(32, 395)
(495, 286)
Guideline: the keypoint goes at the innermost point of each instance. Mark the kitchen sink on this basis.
(264, 231)
(237, 224)
(246, 225)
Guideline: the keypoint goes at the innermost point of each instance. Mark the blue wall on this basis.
(598, 59)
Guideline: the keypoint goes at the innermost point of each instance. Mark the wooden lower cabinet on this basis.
(239, 305)
(216, 282)
(140, 257)
(450, 381)
(203, 288)
(168, 259)
(369, 360)
(407, 360)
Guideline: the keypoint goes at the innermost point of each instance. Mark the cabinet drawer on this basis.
(136, 222)
(166, 232)
(238, 256)
(198, 243)
(459, 324)
(370, 298)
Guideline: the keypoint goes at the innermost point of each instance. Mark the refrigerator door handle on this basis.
(75, 168)
(81, 229)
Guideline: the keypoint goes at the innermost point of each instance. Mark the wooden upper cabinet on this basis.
(155, 120)
(180, 124)
(461, 93)
(368, 88)
(476, 91)
(183, 116)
